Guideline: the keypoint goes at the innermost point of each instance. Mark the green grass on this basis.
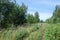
(19, 34)
(33, 32)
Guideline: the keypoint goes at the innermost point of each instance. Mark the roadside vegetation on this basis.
(17, 24)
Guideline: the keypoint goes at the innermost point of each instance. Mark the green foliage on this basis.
(30, 18)
(12, 14)
(41, 21)
(35, 32)
(19, 16)
(33, 18)
(56, 15)
(52, 32)
(15, 14)
(21, 35)
(37, 17)
(18, 34)
(6, 7)
(35, 36)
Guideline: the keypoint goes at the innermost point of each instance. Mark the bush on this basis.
(21, 35)
(52, 32)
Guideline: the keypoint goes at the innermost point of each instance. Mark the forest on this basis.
(17, 24)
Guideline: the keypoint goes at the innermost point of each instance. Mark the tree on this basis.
(41, 21)
(12, 13)
(33, 18)
(5, 10)
(30, 18)
(37, 17)
(56, 15)
(19, 17)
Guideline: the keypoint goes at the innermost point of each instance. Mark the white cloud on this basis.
(34, 5)
(44, 16)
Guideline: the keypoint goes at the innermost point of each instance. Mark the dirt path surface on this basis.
(42, 31)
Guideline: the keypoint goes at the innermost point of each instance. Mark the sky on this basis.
(44, 7)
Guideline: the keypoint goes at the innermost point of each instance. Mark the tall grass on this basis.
(18, 34)
(33, 32)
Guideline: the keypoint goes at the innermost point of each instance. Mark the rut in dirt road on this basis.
(42, 31)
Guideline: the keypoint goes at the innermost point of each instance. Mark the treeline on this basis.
(56, 16)
(12, 13)
(33, 18)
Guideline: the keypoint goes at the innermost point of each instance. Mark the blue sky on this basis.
(44, 7)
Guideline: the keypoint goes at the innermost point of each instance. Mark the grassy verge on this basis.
(19, 34)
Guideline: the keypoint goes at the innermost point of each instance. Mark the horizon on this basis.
(44, 7)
